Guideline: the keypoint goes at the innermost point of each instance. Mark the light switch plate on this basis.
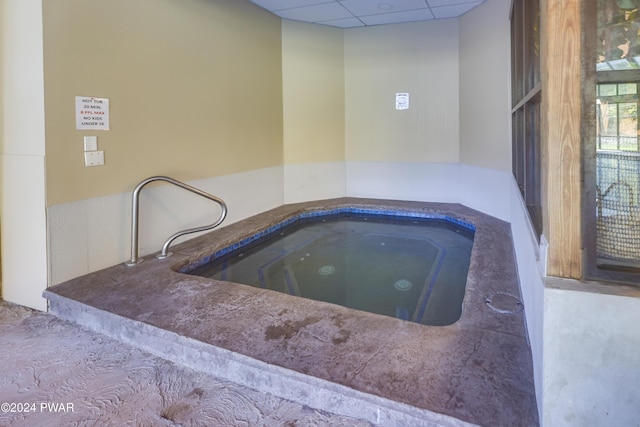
(94, 158)
(90, 143)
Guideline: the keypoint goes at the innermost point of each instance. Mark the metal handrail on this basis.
(135, 202)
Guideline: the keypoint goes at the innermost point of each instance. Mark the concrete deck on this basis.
(55, 373)
(376, 368)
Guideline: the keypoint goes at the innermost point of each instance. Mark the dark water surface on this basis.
(411, 268)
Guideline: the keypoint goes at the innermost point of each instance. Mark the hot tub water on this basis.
(410, 268)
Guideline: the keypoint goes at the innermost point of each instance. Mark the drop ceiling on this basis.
(360, 13)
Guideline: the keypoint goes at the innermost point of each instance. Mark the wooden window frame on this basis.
(526, 104)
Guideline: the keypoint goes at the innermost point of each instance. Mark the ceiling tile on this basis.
(453, 10)
(375, 7)
(393, 18)
(290, 4)
(316, 13)
(344, 23)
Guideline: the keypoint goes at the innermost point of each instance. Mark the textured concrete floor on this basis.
(477, 370)
(53, 373)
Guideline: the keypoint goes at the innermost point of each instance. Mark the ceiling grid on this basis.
(360, 13)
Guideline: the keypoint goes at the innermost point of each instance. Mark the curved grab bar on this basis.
(165, 248)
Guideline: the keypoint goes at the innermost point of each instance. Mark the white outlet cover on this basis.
(93, 158)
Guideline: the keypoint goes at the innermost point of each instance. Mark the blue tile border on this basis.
(381, 213)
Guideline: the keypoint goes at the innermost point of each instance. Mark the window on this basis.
(611, 146)
(525, 113)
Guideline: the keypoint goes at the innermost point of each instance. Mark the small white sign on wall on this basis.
(402, 101)
(92, 113)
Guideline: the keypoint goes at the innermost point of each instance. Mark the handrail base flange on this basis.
(160, 256)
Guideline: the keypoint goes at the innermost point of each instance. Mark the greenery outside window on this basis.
(611, 144)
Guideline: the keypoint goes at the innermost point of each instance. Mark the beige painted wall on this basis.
(485, 138)
(195, 89)
(313, 93)
(420, 58)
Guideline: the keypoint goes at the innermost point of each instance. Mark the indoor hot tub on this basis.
(475, 367)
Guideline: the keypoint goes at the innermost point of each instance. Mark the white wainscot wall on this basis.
(531, 260)
(433, 182)
(483, 189)
(89, 235)
(314, 181)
